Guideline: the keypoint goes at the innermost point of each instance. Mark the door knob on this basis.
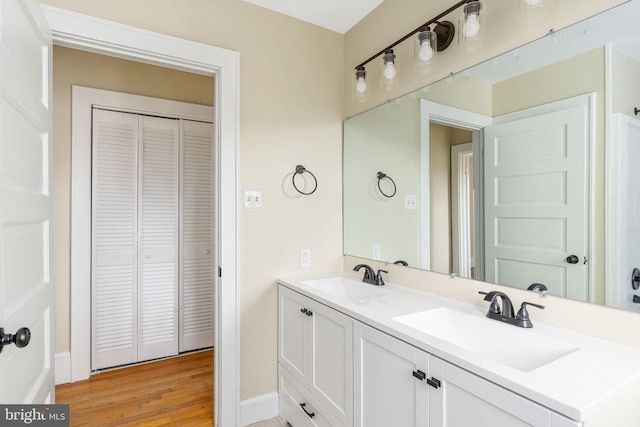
(20, 339)
(635, 279)
(573, 259)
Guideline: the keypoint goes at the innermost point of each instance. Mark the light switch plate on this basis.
(409, 201)
(252, 199)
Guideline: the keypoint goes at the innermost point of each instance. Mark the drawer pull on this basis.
(419, 375)
(434, 382)
(310, 414)
(307, 312)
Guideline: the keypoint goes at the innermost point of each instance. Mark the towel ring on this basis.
(381, 176)
(300, 170)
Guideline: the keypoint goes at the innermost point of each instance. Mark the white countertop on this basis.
(573, 385)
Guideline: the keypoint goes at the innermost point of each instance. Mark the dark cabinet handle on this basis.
(307, 312)
(20, 339)
(636, 299)
(310, 414)
(573, 259)
(434, 382)
(419, 375)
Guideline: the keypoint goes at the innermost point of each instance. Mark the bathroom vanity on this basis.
(355, 354)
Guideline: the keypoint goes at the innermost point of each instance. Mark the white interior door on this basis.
(26, 288)
(536, 198)
(628, 133)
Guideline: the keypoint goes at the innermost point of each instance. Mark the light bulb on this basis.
(426, 51)
(471, 26)
(361, 85)
(389, 70)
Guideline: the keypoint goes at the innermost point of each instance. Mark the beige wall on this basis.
(291, 109)
(74, 67)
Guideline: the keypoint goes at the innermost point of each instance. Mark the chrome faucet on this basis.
(370, 276)
(504, 312)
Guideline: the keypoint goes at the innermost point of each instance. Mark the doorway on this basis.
(87, 33)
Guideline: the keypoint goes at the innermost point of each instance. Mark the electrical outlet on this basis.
(409, 201)
(305, 257)
(252, 199)
(376, 252)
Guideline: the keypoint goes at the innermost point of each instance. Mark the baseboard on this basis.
(62, 369)
(258, 408)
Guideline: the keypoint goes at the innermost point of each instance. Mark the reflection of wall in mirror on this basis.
(384, 139)
(625, 83)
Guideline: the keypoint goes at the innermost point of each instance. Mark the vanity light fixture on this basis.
(472, 28)
(431, 37)
(360, 85)
(388, 71)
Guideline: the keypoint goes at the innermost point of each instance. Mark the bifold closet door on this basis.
(196, 260)
(114, 239)
(135, 238)
(158, 238)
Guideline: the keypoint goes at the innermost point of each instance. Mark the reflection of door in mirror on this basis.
(536, 198)
(628, 216)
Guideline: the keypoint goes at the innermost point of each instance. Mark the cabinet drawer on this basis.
(295, 404)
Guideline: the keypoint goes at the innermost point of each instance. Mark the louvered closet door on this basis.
(114, 244)
(196, 263)
(158, 244)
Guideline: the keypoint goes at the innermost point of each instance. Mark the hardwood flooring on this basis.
(170, 392)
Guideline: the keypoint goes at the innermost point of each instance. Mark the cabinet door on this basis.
(331, 375)
(470, 400)
(294, 336)
(386, 391)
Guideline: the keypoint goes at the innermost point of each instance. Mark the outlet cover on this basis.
(305, 257)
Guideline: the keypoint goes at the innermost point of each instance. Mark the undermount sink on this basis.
(343, 287)
(516, 347)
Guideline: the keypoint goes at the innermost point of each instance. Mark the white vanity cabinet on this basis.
(315, 355)
(398, 384)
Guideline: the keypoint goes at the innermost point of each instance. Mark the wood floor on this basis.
(171, 392)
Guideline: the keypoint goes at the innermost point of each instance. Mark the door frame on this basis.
(455, 117)
(83, 32)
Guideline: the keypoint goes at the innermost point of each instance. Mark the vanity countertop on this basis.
(593, 375)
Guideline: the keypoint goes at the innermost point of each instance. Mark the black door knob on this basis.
(20, 339)
(573, 259)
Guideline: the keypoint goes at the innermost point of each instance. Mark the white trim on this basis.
(611, 189)
(62, 368)
(454, 117)
(84, 32)
(258, 408)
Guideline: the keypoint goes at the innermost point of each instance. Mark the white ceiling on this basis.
(335, 15)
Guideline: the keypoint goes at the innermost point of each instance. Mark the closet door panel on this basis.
(114, 242)
(158, 238)
(196, 262)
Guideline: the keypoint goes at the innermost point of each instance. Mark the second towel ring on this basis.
(300, 170)
(381, 176)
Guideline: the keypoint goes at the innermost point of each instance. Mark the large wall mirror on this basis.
(523, 169)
